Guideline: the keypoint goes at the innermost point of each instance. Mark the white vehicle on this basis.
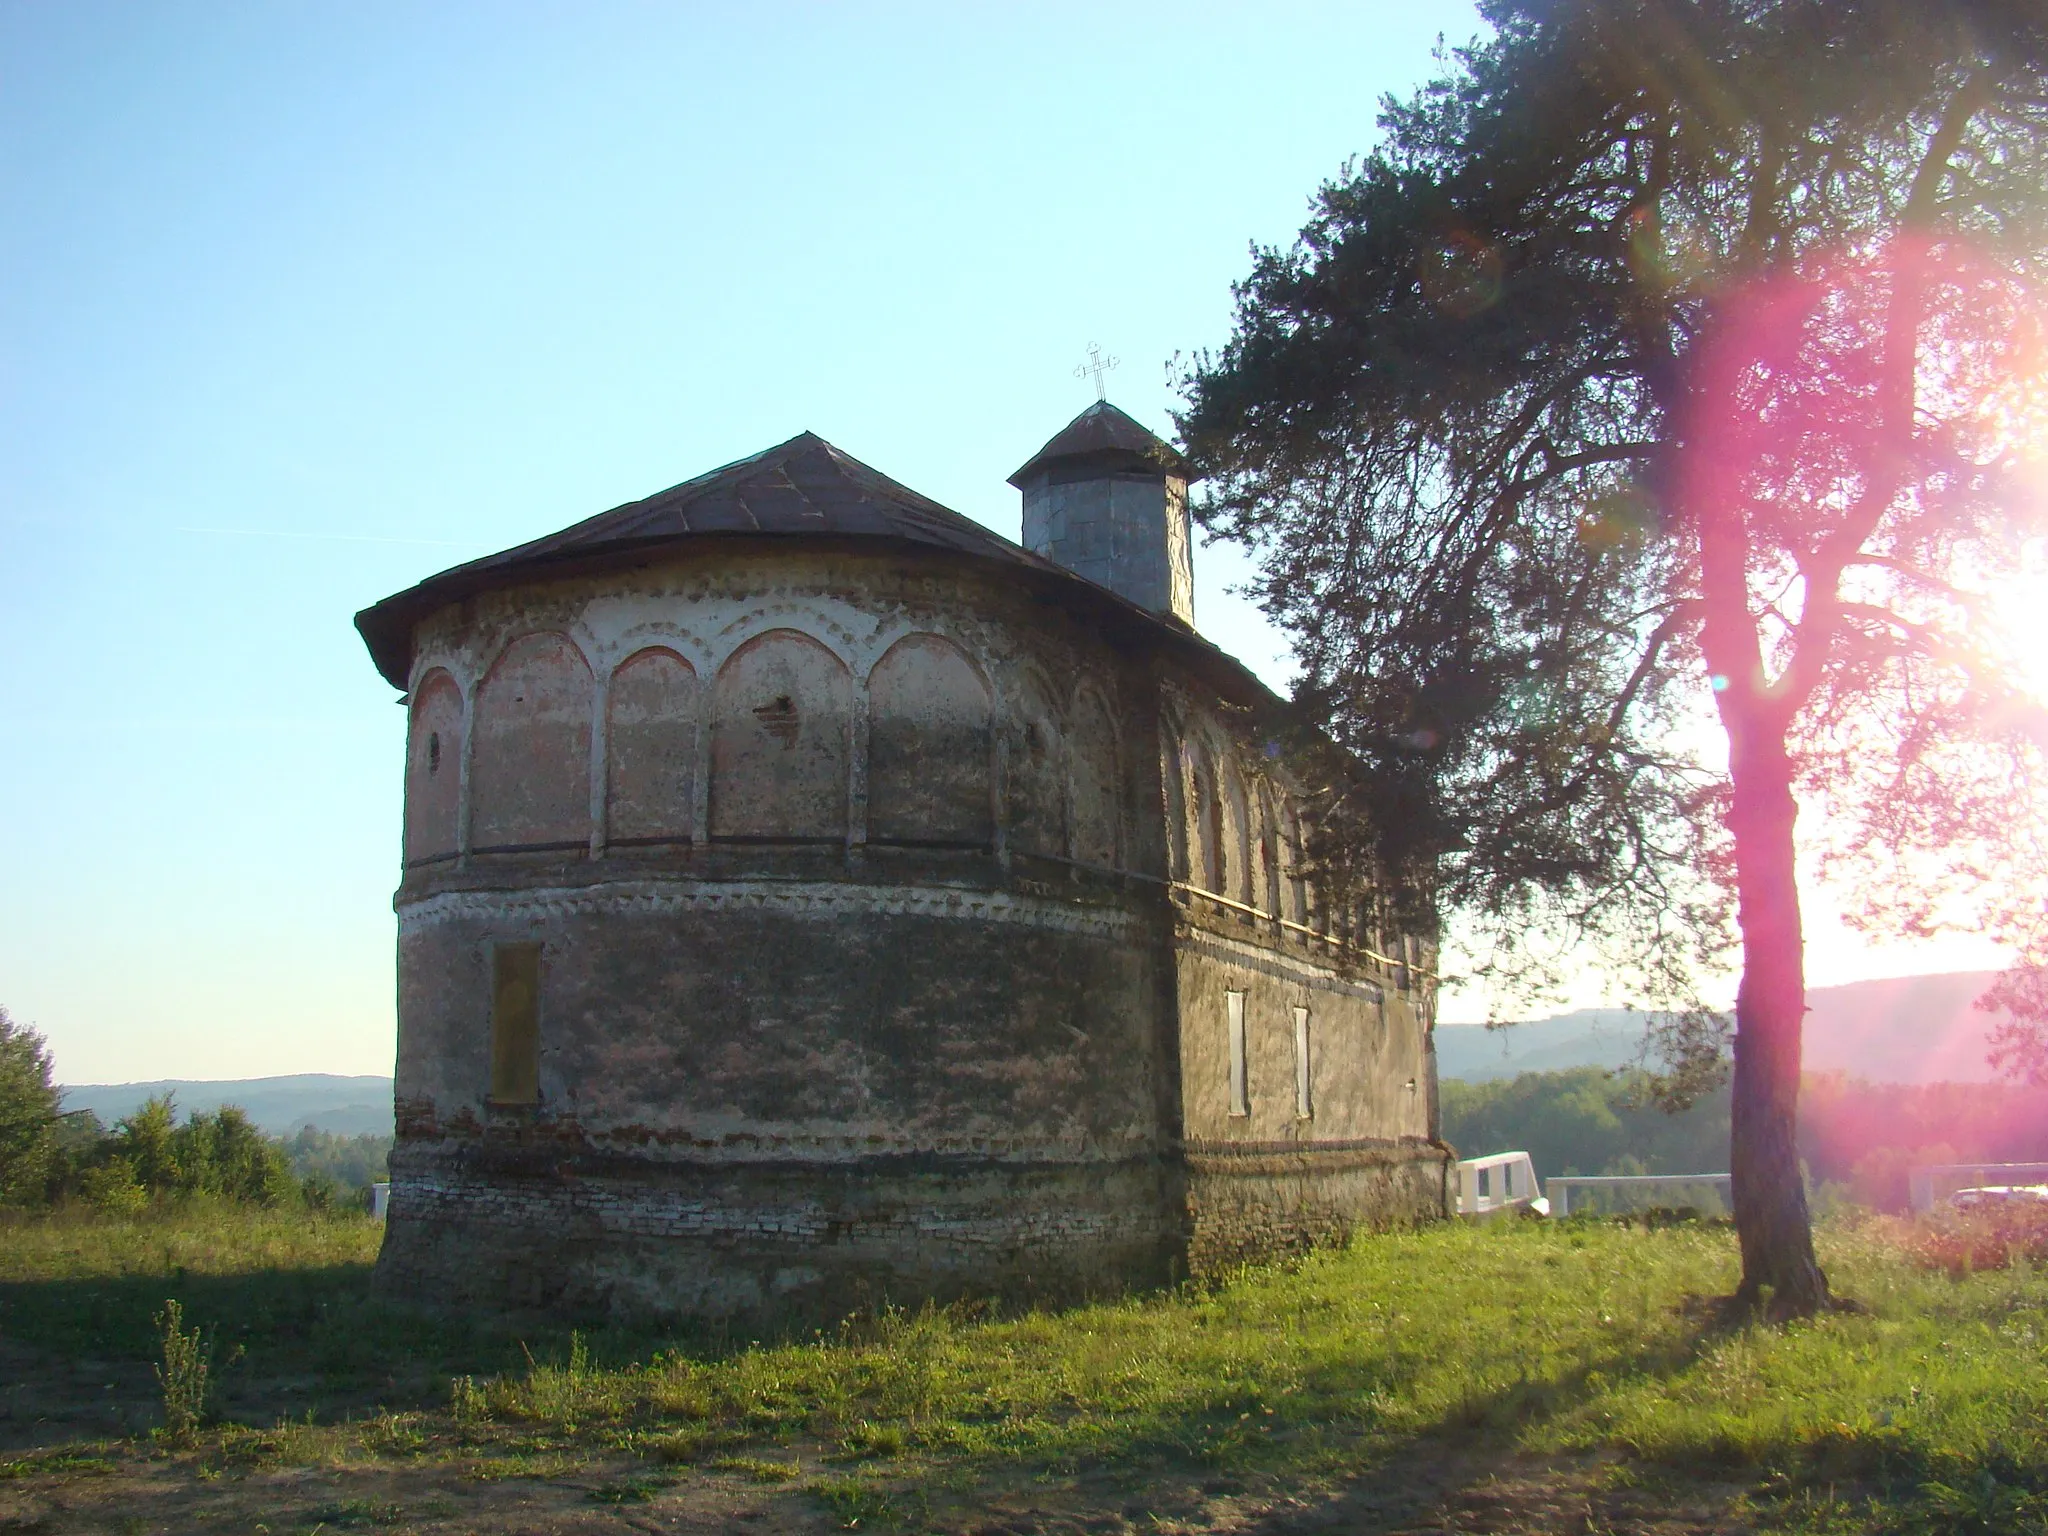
(1986, 1197)
(1501, 1182)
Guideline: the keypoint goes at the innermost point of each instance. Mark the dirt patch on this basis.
(133, 1490)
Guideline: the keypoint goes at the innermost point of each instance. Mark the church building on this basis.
(812, 899)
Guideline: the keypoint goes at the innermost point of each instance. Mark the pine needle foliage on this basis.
(1671, 363)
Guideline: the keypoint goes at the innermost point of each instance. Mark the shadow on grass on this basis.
(1340, 1435)
(286, 1343)
(1332, 1463)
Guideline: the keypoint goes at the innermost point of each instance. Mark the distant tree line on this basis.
(1859, 1137)
(48, 1157)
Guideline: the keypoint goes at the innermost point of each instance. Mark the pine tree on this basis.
(1671, 362)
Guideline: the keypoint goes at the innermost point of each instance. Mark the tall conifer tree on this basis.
(1671, 361)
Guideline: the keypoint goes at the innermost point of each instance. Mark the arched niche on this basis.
(1237, 843)
(928, 746)
(651, 748)
(1294, 860)
(780, 711)
(1209, 838)
(433, 769)
(1092, 767)
(1173, 774)
(1037, 777)
(1269, 897)
(530, 773)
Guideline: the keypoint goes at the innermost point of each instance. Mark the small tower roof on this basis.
(1105, 438)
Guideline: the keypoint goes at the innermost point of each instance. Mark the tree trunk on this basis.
(1771, 1218)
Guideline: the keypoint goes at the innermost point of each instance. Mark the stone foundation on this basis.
(791, 1242)
(796, 1242)
(1247, 1203)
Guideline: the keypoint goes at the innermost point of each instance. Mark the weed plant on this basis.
(185, 1361)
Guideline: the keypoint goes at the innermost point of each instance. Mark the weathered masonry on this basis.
(811, 898)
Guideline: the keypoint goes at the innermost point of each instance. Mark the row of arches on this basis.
(1242, 842)
(783, 743)
(1242, 837)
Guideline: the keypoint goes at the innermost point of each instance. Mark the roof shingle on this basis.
(804, 488)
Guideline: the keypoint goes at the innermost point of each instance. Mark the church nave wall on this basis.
(705, 715)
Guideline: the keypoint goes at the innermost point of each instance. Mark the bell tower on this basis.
(1109, 501)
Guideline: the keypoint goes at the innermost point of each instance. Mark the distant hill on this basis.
(1907, 1029)
(346, 1106)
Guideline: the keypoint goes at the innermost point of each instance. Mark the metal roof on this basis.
(804, 488)
(1108, 439)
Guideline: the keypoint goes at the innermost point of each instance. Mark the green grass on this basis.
(1928, 1410)
(283, 1296)
(1545, 1339)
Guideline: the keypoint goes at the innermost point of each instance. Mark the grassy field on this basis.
(1515, 1377)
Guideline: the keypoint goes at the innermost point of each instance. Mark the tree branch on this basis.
(1815, 636)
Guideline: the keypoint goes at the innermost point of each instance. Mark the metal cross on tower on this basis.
(1097, 365)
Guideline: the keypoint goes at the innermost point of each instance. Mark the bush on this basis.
(112, 1189)
(352, 1163)
(1983, 1238)
(222, 1155)
(47, 1155)
(28, 1114)
(1584, 1120)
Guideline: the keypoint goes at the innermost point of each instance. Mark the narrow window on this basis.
(515, 1024)
(1304, 1104)
(1240, 1089)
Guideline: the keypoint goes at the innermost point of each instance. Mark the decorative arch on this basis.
(1237, 845)
(1095, 780)
(530, 773)
(1209, 837)
(1037, 777)
(1298, 908)
(433, 769)
(651, 720)
(1173, 774)
(781, 709)
(928, 745)
(1269, 897)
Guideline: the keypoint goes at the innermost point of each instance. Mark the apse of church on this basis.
(811, 899)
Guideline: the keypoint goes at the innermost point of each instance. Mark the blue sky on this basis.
(301, 303)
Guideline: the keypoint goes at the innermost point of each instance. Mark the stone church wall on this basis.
(1307, 1075)
(1305, 1096)
(783, 1094)
(841, 994)
(873, 933)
